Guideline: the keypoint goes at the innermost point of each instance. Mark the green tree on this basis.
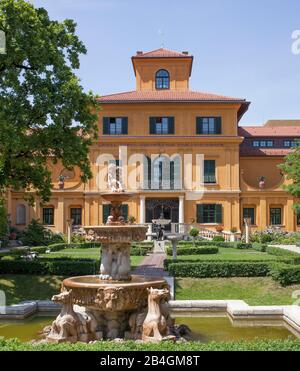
(44, 112)
(194, 232)
(291, 168)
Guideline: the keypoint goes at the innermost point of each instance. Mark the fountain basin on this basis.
(114, 296)
(118, 233)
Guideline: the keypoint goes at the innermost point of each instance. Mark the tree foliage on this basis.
(44, 112)
(291, 168)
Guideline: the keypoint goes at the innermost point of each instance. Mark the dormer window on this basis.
(162, 79)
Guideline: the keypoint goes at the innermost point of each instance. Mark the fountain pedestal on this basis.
(114, 300)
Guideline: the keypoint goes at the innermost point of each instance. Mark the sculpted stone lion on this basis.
(71, 325)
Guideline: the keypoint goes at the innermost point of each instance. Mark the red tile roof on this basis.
(250, 151)
(268, 131)
(149, 96)
(162, 53)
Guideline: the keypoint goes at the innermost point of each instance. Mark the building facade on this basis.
(181, 152)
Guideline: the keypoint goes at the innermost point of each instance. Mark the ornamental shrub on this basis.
(195, 250)
(36, 234)
(285, 274)
(218, 269)
(218, 239)
(98, 346)
(61, 267)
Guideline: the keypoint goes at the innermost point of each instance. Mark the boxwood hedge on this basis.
(256, 345)
(195, 250)
(59, 267)
(285, 274)
(218, 269)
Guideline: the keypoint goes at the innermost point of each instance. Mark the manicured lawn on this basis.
(229, 254)
(254, 291)
(93, 253)
(21, 287)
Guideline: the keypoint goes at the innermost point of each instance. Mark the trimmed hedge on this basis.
(259, 246)
(219, 269)
(138, 251)
(62, 246)
(285, 274)
(194, 250)
(236, 245)
(61, 267)
(256, 345)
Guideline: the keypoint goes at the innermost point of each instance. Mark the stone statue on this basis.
(71, 325)
(155, 326)
(114, 184)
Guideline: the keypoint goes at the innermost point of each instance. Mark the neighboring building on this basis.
(164, 117)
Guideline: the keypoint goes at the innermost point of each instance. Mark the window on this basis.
(21, 214)
(209, 171)
(208, 125)
(209, 214)
(248, 212)
(263, 143)
(291, 143)
(48, 215)
(275, 216)
(162, 80)
(115, 125)
(162, 125)
(76, 213)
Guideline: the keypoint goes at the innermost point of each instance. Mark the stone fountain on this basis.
(113, 304)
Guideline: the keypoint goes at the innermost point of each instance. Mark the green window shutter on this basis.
(152, 125)
(106, 213)
(200, 214)
(171, 126)
(125, 125)
(218, 214)
(124, 211)
(218, 125)
(105, 125)
(199, 125)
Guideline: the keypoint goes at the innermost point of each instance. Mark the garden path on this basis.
(293, 248)
(152, 265)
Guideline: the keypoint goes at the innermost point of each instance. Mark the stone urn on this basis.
(61, 182)
(262, 182)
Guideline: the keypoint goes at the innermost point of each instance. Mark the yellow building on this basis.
(181, 152)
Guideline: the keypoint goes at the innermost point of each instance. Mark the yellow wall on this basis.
(179, 70)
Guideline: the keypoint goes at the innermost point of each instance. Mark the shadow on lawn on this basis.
(29, 287)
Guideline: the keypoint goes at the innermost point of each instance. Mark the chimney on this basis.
(185, 52)
(139, 52)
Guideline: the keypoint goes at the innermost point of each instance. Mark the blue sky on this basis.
(241, 48)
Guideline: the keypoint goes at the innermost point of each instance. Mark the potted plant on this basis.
(219, 228)
(131, 219)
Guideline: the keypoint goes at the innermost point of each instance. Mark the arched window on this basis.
(162, 79)
(21, 214)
